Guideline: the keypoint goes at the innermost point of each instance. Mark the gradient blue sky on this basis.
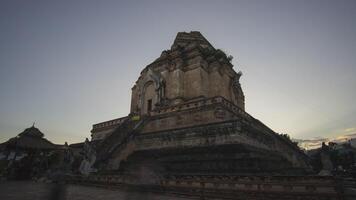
(69, 64)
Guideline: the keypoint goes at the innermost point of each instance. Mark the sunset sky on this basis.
(68, 64)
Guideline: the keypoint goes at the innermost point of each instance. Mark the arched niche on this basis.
(149, 97)
(149, 91)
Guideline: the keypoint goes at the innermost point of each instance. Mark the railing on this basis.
(221, 185)
(109, 123)
(112, 139)
(119, 137)
(127, 137)
(200, 103)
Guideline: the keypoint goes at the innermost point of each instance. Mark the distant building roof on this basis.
(30, 138)
(32, 132)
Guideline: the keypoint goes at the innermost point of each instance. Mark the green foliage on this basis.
(229, 58)
(220, 53)
(287, 137)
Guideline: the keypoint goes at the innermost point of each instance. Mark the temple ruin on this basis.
(188, 117)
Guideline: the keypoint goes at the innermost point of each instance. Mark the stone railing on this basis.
(109, 123)
(200, 103)
(228, 186)
(235, 109)
(282, 184)
(119, 139)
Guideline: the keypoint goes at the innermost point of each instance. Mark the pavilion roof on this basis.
(30, 138)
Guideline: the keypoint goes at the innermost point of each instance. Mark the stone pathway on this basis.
(23, 190)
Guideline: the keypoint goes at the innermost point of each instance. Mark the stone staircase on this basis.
(120, 141)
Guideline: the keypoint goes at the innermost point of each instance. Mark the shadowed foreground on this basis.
(23, 190)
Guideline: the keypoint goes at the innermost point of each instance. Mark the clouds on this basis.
(316, 142)
(311, 143)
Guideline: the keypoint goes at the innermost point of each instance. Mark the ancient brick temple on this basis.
(188, 117)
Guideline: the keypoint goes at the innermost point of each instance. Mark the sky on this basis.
(66, 65)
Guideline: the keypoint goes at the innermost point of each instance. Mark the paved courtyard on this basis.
(22, 190)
